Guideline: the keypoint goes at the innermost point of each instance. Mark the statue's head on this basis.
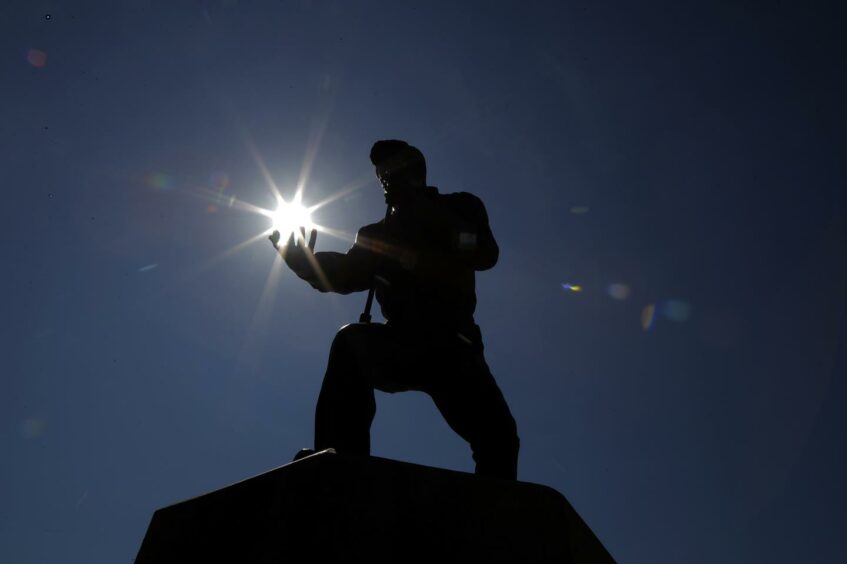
(400, 167)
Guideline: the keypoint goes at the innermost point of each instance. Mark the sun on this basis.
(289, 217)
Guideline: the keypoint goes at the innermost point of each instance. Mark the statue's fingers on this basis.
(313, 237)
(274, 237)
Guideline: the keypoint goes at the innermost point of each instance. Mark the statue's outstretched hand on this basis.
(297, 253)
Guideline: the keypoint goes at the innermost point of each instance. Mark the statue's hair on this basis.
(400, 157)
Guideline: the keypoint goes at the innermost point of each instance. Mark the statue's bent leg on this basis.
(346, 405)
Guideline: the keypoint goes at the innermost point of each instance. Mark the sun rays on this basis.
(289, 216)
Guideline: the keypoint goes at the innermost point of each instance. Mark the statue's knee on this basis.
(349, 337)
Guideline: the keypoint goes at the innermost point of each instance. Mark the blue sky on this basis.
(690, 154)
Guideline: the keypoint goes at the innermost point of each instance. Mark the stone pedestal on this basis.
(337, 508)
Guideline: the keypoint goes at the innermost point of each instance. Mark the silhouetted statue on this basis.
(420, 261)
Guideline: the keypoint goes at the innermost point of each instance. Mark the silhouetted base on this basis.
(336, 508)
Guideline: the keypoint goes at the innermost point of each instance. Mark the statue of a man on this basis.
(422, 259)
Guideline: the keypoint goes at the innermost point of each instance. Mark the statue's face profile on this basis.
(395, 179)
(394, 183)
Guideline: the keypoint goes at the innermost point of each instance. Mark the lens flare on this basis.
(160, 181)
(218, 181)
(648, 316)
(619, 291)
(36, 58)
(572, 287)
(33, 427)
(676, 310)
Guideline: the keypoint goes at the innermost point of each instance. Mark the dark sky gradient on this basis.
(706, 141)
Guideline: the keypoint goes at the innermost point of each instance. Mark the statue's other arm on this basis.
(474, 240)
(465, 223)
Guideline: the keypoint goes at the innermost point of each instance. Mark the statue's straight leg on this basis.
(468, 397)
